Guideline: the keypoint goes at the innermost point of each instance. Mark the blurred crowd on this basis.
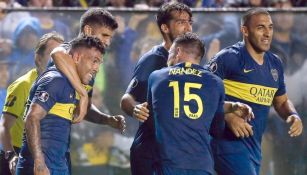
(150, 3)
(98, 149)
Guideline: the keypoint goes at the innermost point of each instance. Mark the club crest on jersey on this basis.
(213, 67)
(134, 82)
(42, 96)
(274, 73)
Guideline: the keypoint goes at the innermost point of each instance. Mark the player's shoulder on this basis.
(273, 58)
(157, 54)
(231, 52)
(53, 76)
(25, 80)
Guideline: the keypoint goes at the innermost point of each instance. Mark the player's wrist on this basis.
(8, 155)
(294, 114)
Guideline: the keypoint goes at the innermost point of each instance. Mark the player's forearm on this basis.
(228, 107)
(285, 109)
(94, 115)
(6, 139)
(5, 135)
(127, 104)
(65, 64)
(32, 127)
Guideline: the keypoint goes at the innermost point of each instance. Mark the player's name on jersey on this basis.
(185, 71)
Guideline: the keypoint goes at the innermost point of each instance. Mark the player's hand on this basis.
(117, 122)
(296, 127)
(40, 168)
(238, 126)
(82, 109)
(141, 112)
(243, 110)
(12, 164)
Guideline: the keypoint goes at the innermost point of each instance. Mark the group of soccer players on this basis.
(183, 128)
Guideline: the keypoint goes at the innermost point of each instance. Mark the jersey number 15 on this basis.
(188, 96)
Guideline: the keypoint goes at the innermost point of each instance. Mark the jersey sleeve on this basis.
(16, 99)
(282, 86)
(138, 85)
(216, 66)
(218, 122)
(48, 92)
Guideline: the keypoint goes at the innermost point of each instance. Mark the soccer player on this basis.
(173, 19)
(94, 22)
(12, 124)
(50, 109)
(184, 99)
(253, 75)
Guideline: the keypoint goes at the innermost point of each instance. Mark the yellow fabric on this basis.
(17, 95)
(94, 157)
(88, 89)
(250, 92)
(63, 110)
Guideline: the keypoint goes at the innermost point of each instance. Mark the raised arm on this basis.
(286, 111)
(64, 62)
(32, 128)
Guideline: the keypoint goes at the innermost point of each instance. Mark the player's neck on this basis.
(257, 56)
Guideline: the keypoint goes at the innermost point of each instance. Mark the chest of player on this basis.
(254, 83)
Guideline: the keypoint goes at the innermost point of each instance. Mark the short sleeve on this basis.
(17, 94)
(48, 92)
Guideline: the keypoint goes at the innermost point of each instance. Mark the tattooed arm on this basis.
(32, 127)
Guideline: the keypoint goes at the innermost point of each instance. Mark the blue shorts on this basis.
(29, 171)
(141, 165)
(178, 171)
(235, 164)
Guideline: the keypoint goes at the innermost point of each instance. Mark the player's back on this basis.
(184, 100)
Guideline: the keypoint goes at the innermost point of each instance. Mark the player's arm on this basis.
(240, 109)
(32, 127)
(131, 108)
(286, 111)
(94, 115)
(65, 64)
(6, 124)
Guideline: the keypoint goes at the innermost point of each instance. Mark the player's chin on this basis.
(86, 80)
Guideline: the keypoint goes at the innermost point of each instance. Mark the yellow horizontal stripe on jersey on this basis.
(64, 110)
(88, 89)
(258, 94)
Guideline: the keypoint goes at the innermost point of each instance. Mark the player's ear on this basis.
(76, 57)
(244, 30)
(164, 28)
(87, 30)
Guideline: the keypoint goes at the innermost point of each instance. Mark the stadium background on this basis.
(101, 150)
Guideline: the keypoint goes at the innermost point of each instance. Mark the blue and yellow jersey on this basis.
(53, 92)
(154, 59)
(15, 103)
(184, 100)
(248, 82)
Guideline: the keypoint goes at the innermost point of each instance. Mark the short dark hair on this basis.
(245, 20)
(191, 44)
(98, 16)
(164, 14)
(42, 43)
(87, 42)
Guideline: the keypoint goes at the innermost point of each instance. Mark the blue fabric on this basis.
(231, 64)
(51, 88)
(182, 133)
(143, 144)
